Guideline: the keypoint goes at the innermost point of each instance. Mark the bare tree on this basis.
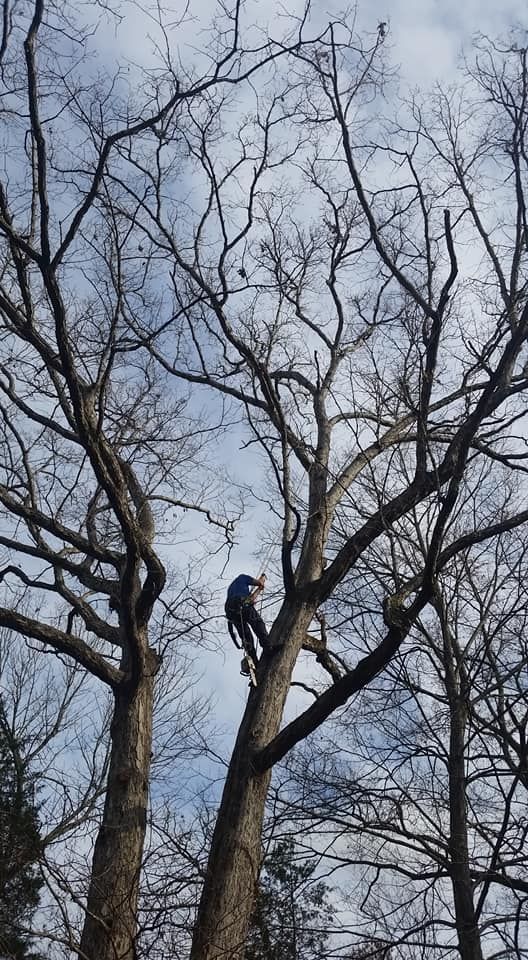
(319, 280)
(96, 448)
(52, 710)
(349, 282)
(412, 796)
(60, 718)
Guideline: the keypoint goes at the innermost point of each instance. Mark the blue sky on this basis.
(425, 41)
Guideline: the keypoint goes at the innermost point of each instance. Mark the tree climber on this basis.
(244, 618)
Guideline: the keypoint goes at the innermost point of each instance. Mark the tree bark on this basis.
(235, 857)
(465, 915)
(111, 913)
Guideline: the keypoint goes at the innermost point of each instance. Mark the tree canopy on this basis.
(264, 246)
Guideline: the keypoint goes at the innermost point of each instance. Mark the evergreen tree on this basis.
(292, 918)
(19, 848)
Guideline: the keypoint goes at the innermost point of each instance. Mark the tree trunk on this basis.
(111, 915)
(234, 861)
(465, 916)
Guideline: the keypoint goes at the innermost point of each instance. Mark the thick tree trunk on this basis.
(111, 917)
(465, 916)
(234, 861)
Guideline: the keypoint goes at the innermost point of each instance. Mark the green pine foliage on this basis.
(293, 916)
(19, 849)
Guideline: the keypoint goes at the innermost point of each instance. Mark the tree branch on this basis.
(65, 643)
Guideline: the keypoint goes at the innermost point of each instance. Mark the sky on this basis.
(425, 39)
(425, 36)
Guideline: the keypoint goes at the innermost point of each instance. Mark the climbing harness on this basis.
(234, 610)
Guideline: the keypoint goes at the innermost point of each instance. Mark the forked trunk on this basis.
(234, 861)
(111, 916)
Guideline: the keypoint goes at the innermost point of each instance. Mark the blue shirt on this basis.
(241, 586)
